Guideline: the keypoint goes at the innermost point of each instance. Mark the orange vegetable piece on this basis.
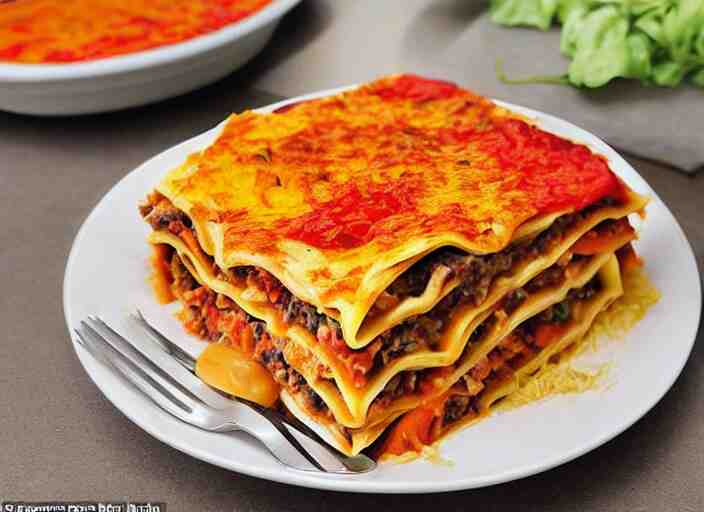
(411, 433)
(545, 334)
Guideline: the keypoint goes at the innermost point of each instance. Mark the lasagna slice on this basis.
(371, 251)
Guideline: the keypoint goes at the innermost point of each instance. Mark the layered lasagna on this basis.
(394, 259)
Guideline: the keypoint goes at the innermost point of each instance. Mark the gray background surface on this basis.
(61, 439)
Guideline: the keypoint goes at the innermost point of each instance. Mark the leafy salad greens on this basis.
(656, 41)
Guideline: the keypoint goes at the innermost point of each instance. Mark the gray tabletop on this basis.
(61, 440)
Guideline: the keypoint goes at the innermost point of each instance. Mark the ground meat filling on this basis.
(555, 275)
(514, 300)
(562, 311)
(423, 331)
(160, 213)
(456, 407)
(499, 363)
(550, 277)
(512, 352)
(273, 359)
(209, 314)
(411, 382)
(183, 281)
(404, 383)
(293, 310)
(462, 400)
(478, 272)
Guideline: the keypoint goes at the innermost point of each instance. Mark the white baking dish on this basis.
(139, 78)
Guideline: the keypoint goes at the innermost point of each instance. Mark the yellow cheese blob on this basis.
(230, 370)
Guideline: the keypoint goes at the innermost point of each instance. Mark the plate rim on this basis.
(351, 483)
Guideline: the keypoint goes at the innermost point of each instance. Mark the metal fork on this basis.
(163, 372)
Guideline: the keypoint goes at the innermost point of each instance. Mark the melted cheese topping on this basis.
(367, 167)
(47, 31)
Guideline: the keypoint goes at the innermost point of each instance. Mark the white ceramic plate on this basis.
(137, 78)
(107, 270)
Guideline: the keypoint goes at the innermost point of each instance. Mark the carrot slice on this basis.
(189, 238)
(411, 433)
(415, 429)
(545, 334)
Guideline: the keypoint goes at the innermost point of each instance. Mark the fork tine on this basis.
(88, 347)
(108, 337)
(186, 360)
(108, 355)
(135, 363)
(169, 346)
(181, 356)
(99, 346)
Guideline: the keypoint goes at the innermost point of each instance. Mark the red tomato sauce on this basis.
(51, 32)
(418, 89)
(353, 218)
(547, 172)
(556, 173)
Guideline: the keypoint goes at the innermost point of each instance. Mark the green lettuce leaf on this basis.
(640, 49)
(602, 51)
(698, 77)
(655, 41)
(530, 13)
(669, 73)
